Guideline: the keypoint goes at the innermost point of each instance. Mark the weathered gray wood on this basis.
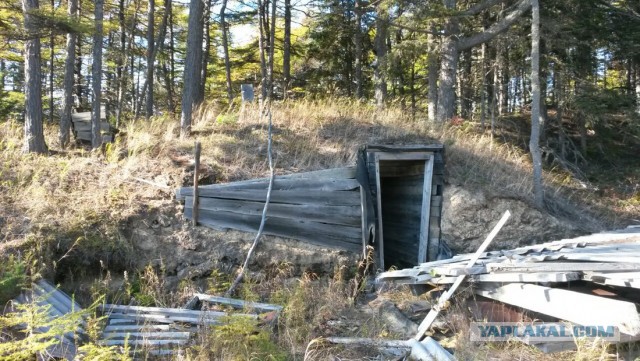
(319, 233)
(619, 279)
(364, 217)
(429, 350)
(380, 237)
(425, 248)
(433, 313)
(196, 171)
(86, 116)
(260, 307)
(325, 174)
(165, 335)
(192, 303)
(404, 156)
(337, 198)
(86, 127)
(146, 327)
(580, 308)
(370, 342)
(145, 342)
(168, 312)
(308, 184)
(344, 215)
(561, 266)
(459, 270)
(159, 318)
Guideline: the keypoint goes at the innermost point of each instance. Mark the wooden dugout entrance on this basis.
(391, 200)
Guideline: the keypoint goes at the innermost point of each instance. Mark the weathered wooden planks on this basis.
(343, 215)
(338, 198)
(241, 304)
(318, 233)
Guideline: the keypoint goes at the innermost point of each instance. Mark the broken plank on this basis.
(458, 270)
(344, 215)
(571, 306)
(337, 198)
(619, 279)
(260, 307)
(433, 313)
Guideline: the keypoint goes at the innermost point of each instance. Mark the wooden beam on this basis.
(424, 248)
(241, 304)
(571, 306)
(433, 313)
(561, 267)
(380, 232)
(196, 171)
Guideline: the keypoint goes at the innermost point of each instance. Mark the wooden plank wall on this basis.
(321, 207)
(81, 125)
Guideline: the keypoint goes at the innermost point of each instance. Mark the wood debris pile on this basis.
(589, 280)
(144, 331)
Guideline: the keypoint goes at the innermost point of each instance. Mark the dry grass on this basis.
(65, 212)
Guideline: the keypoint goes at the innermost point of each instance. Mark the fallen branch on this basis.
(433, 313)
(264, 212)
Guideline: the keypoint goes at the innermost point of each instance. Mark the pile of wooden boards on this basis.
(144, 331)
(589, 280)
(81, 125)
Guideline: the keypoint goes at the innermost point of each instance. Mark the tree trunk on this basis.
(503, 78)
(96, 76)
(52, 43)
(272, 48)
(380, 70)
(432, 70)
(67, 100)
(120, 60)
(357, 39)
(448, 69)
(467, 85)
(286, 49)
(559, 91)
(637, 89)
(261, 48)
(225, 48)
(77, 70)
(483, 87)
(172, 68)
(193, 63)
(204, 68)
(534, 147)
(3, 69)
(151, 54)
(33, 134)
(452, 44)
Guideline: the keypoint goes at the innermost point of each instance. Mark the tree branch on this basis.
(495, 29)
(477, 9)
(243, 270)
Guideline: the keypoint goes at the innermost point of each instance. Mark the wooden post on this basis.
(195, 184)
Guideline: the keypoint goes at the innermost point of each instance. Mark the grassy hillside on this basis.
(67, 215)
